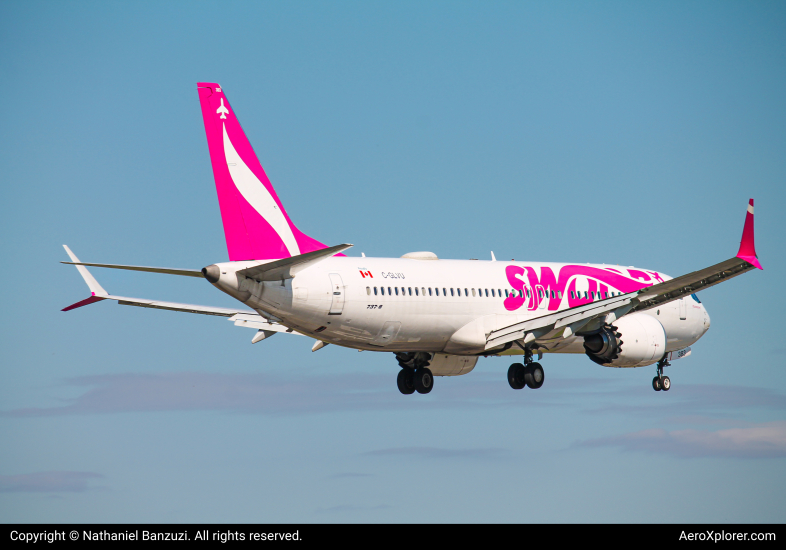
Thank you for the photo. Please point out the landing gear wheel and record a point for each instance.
(516, 376)
(665, 383)
(534, 376)
(424, 380)
(656, 384)
(406, 381)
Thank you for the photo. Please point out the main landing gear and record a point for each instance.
(529, 374)
(415, 375)
(410, 380)
(661, 382)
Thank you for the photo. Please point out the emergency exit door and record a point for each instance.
(337, 294)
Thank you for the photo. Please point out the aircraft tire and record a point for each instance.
(534, 376)
(406, 381)
(665, 383)
(516, 376)
(424, 380)
(656, 384)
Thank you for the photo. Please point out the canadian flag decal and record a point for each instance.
(364, 273)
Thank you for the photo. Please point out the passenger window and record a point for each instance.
(410, 291)
(375, 291)
(423, 291)
(605, 294)
(451, 292)
(559, 294)
(416, 291)
(382, 290)
(572, 296)
(473, 292)
(429, 291)
(526, 290)
(368, 290)
(552, 294)
(521, 293)
(487, 292)
(466, 292)
(396, 291)
(492, 293)
(585, 294)
(389, 293)
(507, 294)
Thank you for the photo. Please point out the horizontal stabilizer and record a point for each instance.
(166, 270)
(174, 306)
(289, 267)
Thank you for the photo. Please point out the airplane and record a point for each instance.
(436, 316)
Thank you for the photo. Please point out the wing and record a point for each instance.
(243, 317)
(592, 316)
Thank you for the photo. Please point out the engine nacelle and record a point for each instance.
(636, 340)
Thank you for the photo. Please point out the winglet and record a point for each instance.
(97, 292)
(747, 250)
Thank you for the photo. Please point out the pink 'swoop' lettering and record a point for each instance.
(538, 288)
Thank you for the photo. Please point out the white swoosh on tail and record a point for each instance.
(258, 196)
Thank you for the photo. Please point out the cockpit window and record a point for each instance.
(695, 298)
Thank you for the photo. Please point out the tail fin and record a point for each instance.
(256, 225)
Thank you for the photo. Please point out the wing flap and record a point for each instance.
(569, 318)
(252, 320)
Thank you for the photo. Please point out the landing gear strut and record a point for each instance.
(661, 382)
(528, 374)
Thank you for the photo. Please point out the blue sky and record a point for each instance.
(625, 133)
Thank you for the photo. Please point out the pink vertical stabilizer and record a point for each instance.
(747, 250)
(256, 226)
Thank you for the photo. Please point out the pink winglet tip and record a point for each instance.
(747, 250)
(85, 302)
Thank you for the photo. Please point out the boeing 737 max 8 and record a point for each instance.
(436, 316)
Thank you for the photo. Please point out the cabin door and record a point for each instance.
(337, 294)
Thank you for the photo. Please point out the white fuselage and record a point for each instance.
(449, 306)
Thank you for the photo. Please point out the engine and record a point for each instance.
(636, 340)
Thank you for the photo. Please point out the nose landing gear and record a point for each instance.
(661, 382)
